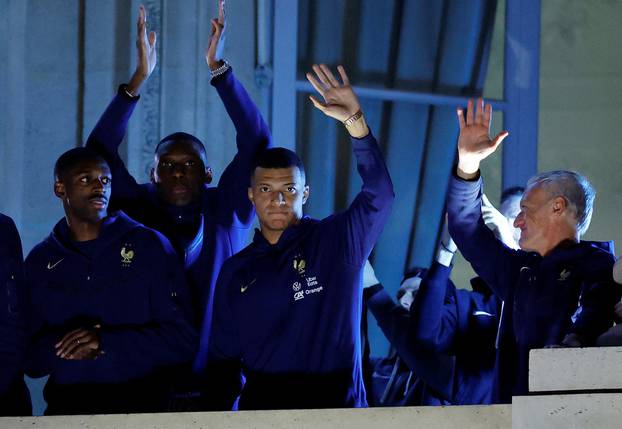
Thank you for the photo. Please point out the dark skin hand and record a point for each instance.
(79, 344)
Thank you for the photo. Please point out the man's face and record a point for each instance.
(278, 195)
(180, 173)
(85, 190)
(535, 219)
(407, 291)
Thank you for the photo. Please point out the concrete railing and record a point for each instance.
(572, 388)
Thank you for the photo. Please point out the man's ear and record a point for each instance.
(209, 175)
(152, 175)
(305, 194)
(59, 190)
(559, 205)
(250, 195)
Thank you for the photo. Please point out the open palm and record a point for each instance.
(340, 101)
(475, 143)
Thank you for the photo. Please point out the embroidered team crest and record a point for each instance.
(300, 265)
(563, 275)
(127, 256)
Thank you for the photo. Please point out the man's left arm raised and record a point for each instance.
(370, 209)
(252, 132)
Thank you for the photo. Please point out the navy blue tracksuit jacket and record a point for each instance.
(289, 314)
(14, 399)
(571, 290)
(130, 282)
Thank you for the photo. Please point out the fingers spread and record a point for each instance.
(318, 104)
(499, 138)
(320, 74)
(329, 75)
(318, 87)
(479, 111)
(221, 12)
(460, 114)
(152, 39)
(344, 76)
(470, 116)
(487, 116)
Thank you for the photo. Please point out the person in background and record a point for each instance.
(447, 336)
(14, 395)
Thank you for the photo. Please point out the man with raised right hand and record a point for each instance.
(557, 289)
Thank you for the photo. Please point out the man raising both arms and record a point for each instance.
(205, 224)
(288, 307)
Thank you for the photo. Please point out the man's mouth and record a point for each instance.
(98, 202)
(180, 190)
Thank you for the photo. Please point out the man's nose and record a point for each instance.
(178, 170)
(520, 219)
(279, 198)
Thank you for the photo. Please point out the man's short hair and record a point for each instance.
(574, 188)
(278, 157)
(72, 158)
(183, 137)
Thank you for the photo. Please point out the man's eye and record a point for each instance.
(106, 180)
(190, 163)
(264, 189)
(84, 179)
(166, 164)
(291, 189)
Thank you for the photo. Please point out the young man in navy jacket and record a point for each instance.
(288, 307)
(108, 305)
(557, 290)
(14, 397)
(205, 224)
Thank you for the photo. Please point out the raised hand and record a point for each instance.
(216, 45)
(474, 143)
(340, 101)
(146, 53)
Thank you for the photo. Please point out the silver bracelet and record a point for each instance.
(220, 70)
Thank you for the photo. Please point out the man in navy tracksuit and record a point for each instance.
(288, 307)
(108, 306)
(205, 224)
(557, 290)
(14, 397)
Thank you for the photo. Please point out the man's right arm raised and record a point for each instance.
(490, 258)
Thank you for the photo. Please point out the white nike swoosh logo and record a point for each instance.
(243, 288)
(51, 266)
